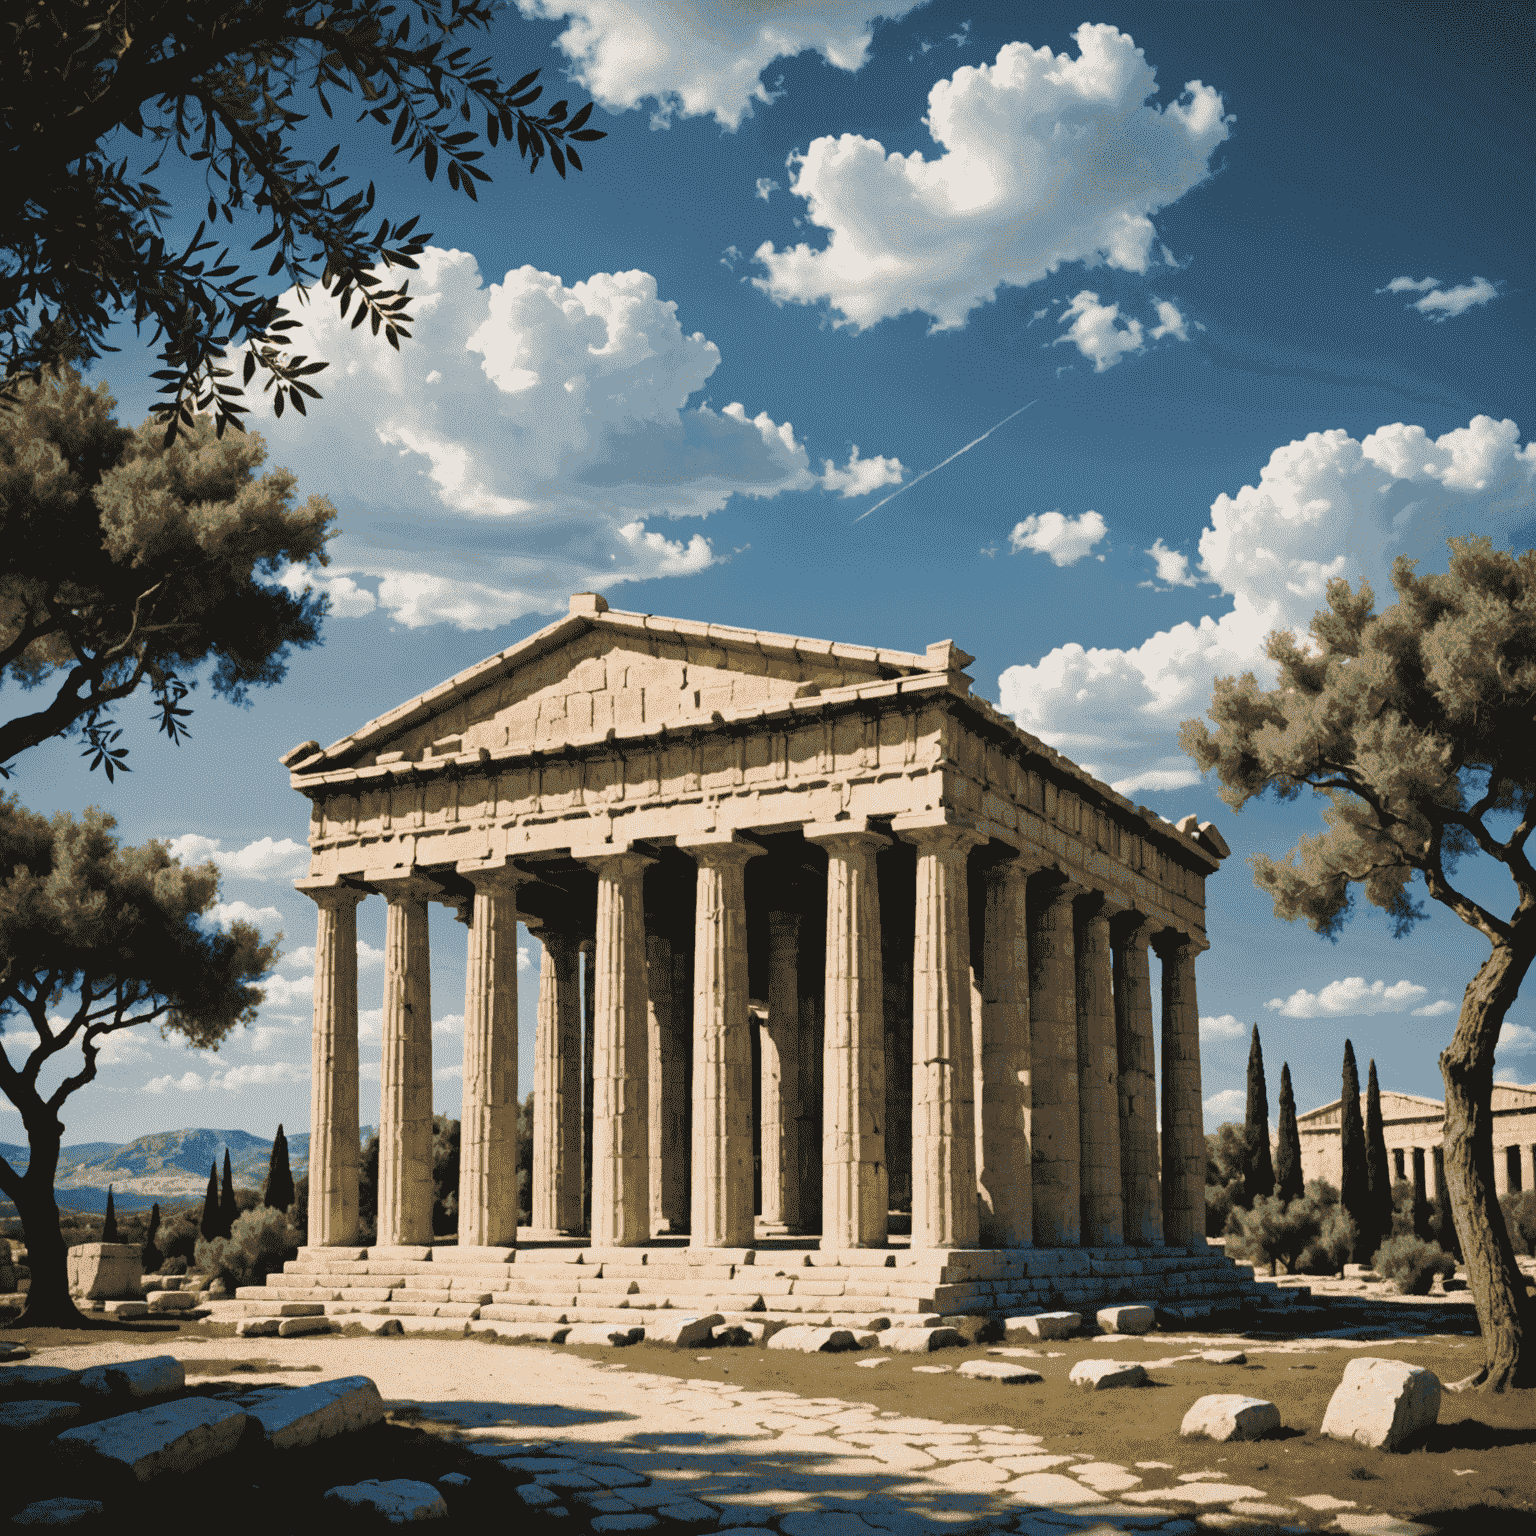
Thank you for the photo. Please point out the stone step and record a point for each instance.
(521, 1314)
(430, 1309)
(281, 1292)
(412, 1294)
(227, 1311)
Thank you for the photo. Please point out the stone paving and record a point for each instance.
(625, 1449)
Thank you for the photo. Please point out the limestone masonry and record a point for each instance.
(853, 942)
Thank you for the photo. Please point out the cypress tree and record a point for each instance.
(209, 1225)
(1354, 1180)
(1258, 1170)
(1378, 1169)
(151, 1258)
(1289, 1184)
(109, 1226)
(227, 1208)
(279, 1189)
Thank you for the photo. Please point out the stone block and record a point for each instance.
(22, 1381)
(1000, 1370)
(406, 1255)
(105, 1271)
(613, 1334)
(523, 1333)
(40, 1416)
(171, 1301)
(169, 1440)
(536, 1496)
(125, 1311)
(257, 1327)
(1223, 1357)
(1382, 1403)
(1046, 1325)
(380, 1327)
(918, 1341)
(401, 1501)
(454, 1327)
(299, 1418)
(158, 1376)
(57, 1512)
(976, 1330)
(1096, 1375)
(292, 1327)
(1131, 1320)
(812, 1341)
(1230, 1416)
(469, 1255)
(758, 1330)
(683, 1331)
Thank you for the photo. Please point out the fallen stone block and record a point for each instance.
(57, 1512)
(171, 1439)
(750, 1331)
(1224, 1357)
(451, 1327)
(125, 1311)
(1382, 1404)
(329, 1408)
(1000, 1370)
(1132, 1320)
(976, 1330)
(524, 1333)
(40, 1416)
(918, 1341)
(171, 1301)
(536, 1496)
(157, 1376)
(1096, 1375)
(812, 1341)
(21, 1381)
(380, 1327)
(634, 1521)
(257, 1327)
(292, 1327)
(683, 1331)
(1046, 1325)
(399, 1502)
(612, 1334)
(1230, 1416)
(99, 1271)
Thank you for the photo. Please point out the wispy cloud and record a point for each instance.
(1349, 998)
(1222, 1026)
(1439, 302)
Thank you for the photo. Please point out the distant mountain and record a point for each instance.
(69, 1157)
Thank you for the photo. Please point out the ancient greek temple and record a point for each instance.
(861, 955)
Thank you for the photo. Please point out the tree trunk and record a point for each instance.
(49, 1304)
(1466, 1065)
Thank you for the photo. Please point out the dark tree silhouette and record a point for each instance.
(228, 1210)
(1258, 1170)
(151, 1258)
(278, 1191)
(1378, 1169)
(109, 1225)
(1289, 1184)
(209, 1225)
(1354, 1174)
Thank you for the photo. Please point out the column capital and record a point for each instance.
(410, 885)
(934, 833)
(1170, 941)
(493, 877)
(329, 893)
(855, 830)
(618, 861)
(719, 847)
(1131, 927)
(1058, 886)
(1096, 903)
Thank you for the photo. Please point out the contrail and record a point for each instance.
(950, 460)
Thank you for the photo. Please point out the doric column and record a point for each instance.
(853, 1177)
(588, 1002)
(1006, 1108)
(556, 1193)
(1098, 1094)
(1420, 1183)
(721, 1214)
(405, 1077)
(945, 1207)
(1057, 1146)
(1501, 1171)
(488, 1117)
(780, 1122)
(1437, 1169)
(1140, 1187)
(665, 1097)
(621, 1160)
(333, 1102)
(1183, 1114)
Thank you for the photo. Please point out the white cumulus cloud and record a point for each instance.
(1044, 159)
(1409, 285)
(1349, 998)
(1441, 303)
(265, 859)
(766, 187)
(1065, 539)
(703, 58)
(1435, 1010)
(1223, 1026)
(284, 992)
(1172, 565)
(1094, 333)
(223, 913)
(1516, 1040)
(1328, 505)
(256, 1074)
(862, 475)
(1229, 1104)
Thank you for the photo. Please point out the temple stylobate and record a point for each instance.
(854, 946)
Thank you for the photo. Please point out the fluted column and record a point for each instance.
(780, 1124)
(1006, 1108)
(488, 1116)
(556, 1193)
(666, 1103)
(854, 1188)
(945, 1206)
(1140, 1187)
(721, 1214)
(1183, 1114)
(588, 1047)
(1098, 1093)
(405, 1077)
(621, 1160)
(1056, 1149)
(333, 1097)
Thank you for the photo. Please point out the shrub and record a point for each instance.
(259, 1243)
(1412, 1263)
(1330, 1250)
(178, 1237)
(1276, 1231)
(176, 1266)
(1520, 1217)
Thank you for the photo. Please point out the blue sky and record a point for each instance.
(1261, 275)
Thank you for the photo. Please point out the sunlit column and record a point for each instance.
(1140, 1186)
(1006, 1108)
(556, 1193)
(1183, 1114)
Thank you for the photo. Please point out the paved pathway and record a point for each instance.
(616, 1442)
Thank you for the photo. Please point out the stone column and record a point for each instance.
(488, 1118)
(405, 1078)
(1057, 1147)
(588, 1002)
(1437, 1166)
(1420, 1187)
(621, 1199)
(1007, 1108)
(1140, 1187)
(1501, 1171)
(721, 1214)
(556, 1202)
(780, 1126)
(1098, 1094)
(945, 1206)
(1183, 1113)
(854, 1188)
(665, 1096)
(333, 1100)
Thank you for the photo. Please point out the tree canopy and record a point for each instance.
(223, 83)
(125, 562)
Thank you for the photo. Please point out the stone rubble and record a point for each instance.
(1382, 1404)
(1230, 1416)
